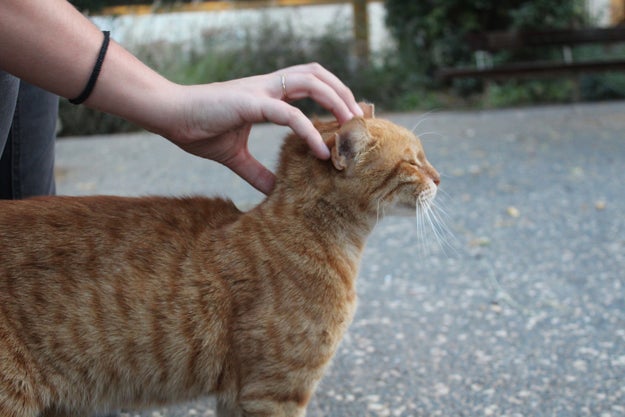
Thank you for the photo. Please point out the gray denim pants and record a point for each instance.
(28, 118)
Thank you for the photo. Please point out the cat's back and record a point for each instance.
(186, 215)
(90, 236)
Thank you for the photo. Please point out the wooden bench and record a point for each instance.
(484, 44)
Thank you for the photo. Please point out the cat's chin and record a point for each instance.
(401, 210)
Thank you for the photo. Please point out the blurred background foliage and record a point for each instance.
(431, 34)
(428, 34)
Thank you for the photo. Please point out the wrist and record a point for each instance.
(93, 78)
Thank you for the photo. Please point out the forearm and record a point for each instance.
(128, 88)
(50, 44)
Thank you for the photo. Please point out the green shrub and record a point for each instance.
(526, 92)
(601, 86)
(432, 34)
(605, 86)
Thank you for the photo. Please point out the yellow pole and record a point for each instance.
(617, 11)
(361, 32)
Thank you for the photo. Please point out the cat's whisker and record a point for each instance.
(377, 212)
(423, 118)
(435, 133)
(433, 221)
(419, 220)
(441, 211)
(427, 228)
(442, 193)
(420, 230)
(428, 211)
(449, 239)
(426, 223)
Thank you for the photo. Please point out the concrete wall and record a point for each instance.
(231, 25)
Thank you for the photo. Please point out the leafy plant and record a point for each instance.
(432, 33)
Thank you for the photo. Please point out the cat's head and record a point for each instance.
(374, 163)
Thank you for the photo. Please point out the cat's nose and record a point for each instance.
(434, 175)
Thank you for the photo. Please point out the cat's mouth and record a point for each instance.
(423, 201)
(426, 197)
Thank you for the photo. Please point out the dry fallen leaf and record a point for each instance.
(479, 241)
(513, 211)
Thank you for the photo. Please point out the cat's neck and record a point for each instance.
(320, 208)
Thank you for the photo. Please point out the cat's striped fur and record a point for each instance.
(109, 302)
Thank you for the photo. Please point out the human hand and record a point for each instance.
(214, 120)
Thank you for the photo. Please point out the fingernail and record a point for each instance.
(324, 152)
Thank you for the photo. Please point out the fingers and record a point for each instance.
(309, 81)
(314, 81)
(252, 171)
(281, 113)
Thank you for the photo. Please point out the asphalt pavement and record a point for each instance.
(518, 312)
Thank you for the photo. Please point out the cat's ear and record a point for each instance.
(349, 142)
(368, 109)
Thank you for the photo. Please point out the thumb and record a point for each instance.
(252, 171)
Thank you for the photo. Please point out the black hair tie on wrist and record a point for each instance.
(96, 71)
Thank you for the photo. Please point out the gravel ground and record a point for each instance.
(519, 311)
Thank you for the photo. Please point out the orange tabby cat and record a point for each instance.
(109, 302)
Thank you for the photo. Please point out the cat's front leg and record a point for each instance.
(228, 410)
(261, 408)
(63, 412)
(17, 393)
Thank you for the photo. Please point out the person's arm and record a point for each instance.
(52, 45)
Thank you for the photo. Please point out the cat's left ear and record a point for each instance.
(349, 142)
(368, 109)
